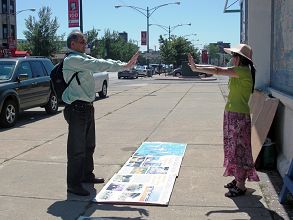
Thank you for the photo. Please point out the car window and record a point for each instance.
(25, 68)
(38, 69)
(48, 66)
(6, 69)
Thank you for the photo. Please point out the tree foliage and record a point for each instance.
(175, 50)
(41, 33)
(113, 46)
(93, 42)
(213, 51)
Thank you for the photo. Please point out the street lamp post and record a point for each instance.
(169, 29)
(187, 35)
(81, 17)
(147, 13)
(14, 38)
(29, 9)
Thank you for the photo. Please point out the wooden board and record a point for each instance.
(262, 109)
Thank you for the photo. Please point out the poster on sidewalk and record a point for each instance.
(147, 177)
(152, 165)
(160, 149)
(137, 189)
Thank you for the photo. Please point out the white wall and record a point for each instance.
(259, 38)
(283, 127)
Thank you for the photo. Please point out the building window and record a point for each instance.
(11, 8)
(5, 31)
(4, 6)
(12, 31)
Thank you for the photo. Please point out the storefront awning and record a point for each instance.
(21, 53)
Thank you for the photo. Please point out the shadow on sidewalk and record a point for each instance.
(251, 205)
(116, 208)
(76, 206)
(69, 209)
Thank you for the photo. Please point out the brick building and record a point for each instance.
(7, 27)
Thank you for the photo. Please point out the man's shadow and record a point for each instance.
(75, 206)
(251, 205)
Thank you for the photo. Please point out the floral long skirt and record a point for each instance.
(238, 159)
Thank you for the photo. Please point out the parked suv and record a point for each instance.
(25, 83)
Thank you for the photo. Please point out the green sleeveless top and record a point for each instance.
(240, 90)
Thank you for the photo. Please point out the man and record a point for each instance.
(79, 111)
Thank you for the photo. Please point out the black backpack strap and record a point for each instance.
(72, 77)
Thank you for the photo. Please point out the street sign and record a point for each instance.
(143, 38)
(73, 13)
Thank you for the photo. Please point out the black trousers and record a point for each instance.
(81, 142)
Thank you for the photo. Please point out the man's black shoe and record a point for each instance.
(94, 180)
(78, 190)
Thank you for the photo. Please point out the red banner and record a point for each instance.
(73, 13)
(143, 37)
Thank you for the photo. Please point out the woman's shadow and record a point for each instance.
(252, 206)
(75, 206)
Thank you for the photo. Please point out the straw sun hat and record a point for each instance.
(242, 49)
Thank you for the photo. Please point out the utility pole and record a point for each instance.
(81, 19)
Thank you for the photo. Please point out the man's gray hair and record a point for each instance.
(73, 36)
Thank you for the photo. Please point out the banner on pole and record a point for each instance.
(73, 13)
(143, 38)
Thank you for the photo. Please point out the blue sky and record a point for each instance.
(206, 17)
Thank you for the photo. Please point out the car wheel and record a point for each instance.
(9, 114)
(103, 93)
(177, 74)
(52, 105)
(119, 77)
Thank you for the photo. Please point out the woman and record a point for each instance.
(238, 159)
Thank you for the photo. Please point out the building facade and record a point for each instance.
(267, 27)
(124, 36)
(7, 27)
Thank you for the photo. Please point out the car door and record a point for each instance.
(41, 83)
(25, 86)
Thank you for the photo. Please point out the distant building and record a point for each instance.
(222, 57)
(221, 45)
(124, 36)
(7, 27)
(204, 57)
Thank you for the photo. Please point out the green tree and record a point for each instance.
(41, 34)
(175, 50)
(112, 46)
(92, 39)
(167, 51)
(25, 46)
(213, 51)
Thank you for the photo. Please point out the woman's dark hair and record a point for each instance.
(245, 62)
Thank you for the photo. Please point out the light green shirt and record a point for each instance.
(240, 90)
(86, 66)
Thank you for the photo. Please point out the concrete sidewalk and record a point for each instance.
(33, 157)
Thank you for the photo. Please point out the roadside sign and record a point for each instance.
(73, 13)
(143, 38)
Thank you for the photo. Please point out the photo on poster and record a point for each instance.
(115, 187)
(122, 178)
(139, 170)
(158, 170)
